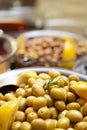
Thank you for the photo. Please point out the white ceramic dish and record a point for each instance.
(11, 76)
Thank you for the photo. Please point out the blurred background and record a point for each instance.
(68, 15)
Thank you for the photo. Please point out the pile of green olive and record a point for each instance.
(47, 103)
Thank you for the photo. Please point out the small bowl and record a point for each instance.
(8, 48)
(46, 63)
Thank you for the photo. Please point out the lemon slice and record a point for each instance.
(69, 53)
(81, 89)
(7, 113)
(21, 42)
(23, 78)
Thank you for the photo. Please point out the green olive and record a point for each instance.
(53, 73)
(65, 79)
(58, 129)
(60, 105)
(28, 92)
(20, 116)
(81, 125)
(44, 76)
(39, 102)
(49, 100)
(16, 125)
(22, 104)
(85, 118)
(72, 106)
(80, 101)
(73, 77)
(1, 96)
(63, 122)
(74, 115)
(2, 102)
(62, 114)
(28, 110)
(20, 92)
(71, 97)
(54, 112)
(44, 113)
(37, 90)
(58, 93)
(31, 116)
(38, 124)
(25, 126)
(70, 129)
(9, 96)
(50, 124)
(84, 109)
(29, 100)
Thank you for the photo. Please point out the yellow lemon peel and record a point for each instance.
(69, 53)
(7, 113)
(23, 78)
(80, 88)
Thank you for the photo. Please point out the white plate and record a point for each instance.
(11, 76)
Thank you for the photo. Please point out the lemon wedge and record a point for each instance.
(21, 42)
(80, 88)
(23, 78)
(69, 53)
(7, 113)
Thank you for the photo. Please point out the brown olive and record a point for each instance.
(74, 115)
(44, 113)
(72, 106)
(31, 116)
(81, 125)
(60, 105)
(20, 116)
(38, 124)
(54, 112)
(25, 126)
(63, 122)
(16, 125)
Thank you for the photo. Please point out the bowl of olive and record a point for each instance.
(44, 99)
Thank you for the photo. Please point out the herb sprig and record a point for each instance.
(52, 82)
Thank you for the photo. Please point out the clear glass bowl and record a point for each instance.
(46, 33)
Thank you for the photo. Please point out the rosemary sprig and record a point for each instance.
(51, 82)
